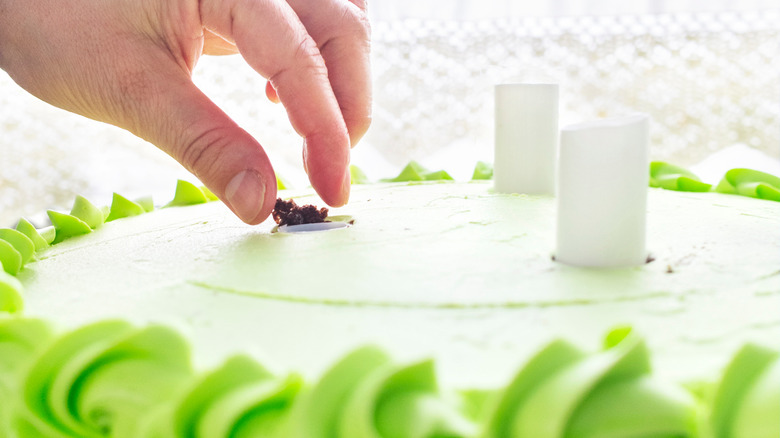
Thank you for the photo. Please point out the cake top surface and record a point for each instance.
(448, 270)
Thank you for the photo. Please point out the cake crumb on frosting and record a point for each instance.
(289, 213)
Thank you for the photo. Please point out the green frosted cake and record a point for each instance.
(435, 310)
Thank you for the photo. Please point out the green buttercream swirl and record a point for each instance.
(10, 294)
(87, 212)
(21, 339)
(564, 392)
(67, 226)
(25, 227)
(366, 395)
(414, 171)
(99, 380)
(114, 379)
(671, 177)
(188, 194)
(752, 183)
(482, 171)
(122, 207)
(357, 176)
(747, 401)
(10, 258)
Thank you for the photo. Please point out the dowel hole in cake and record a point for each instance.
(311, 228)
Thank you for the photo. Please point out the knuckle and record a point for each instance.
(199, 149)
(355, 21)
(308, 57)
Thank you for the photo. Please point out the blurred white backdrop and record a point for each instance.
(707, 71)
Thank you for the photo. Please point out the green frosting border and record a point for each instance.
(111, 378)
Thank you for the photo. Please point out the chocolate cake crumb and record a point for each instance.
(650, 259)
(289, 213)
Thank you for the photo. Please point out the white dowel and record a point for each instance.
(602, 193)
(526, 138)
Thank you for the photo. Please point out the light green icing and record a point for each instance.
(671, 177)
(10, 294)
(87, 212)
(372, 275)
(21, 339)
(187, 194)
(113, 379)
(482, 171)
(147, 203)
(739, 406)
(48, 233)
(317, 415)
(404, 402)
(759, 415)
(357, 176)
(10, 258)
(101, 378)
(592, 393)
(607, 394)
(24, 226)
(752, 183)
(414, 171)
(122, 207)
(209, 194)
(66, 226)
(241, 399)
(20, 242)
(550, 360)
(281, 184)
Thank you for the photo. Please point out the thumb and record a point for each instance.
(231, 163)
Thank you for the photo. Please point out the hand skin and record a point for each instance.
(129, 63)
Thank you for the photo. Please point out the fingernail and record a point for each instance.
(245, 194)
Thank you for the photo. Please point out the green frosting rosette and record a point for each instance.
(67, 226)
(87, 212)
(365, 395)
(747, 402)
(122, 207)
(16, 249)
(752, 183)
(25, 227)
(564, 392)
(99, 380)
(482, 171)
(241, 399)
(357, 176)
(10, 294)
(20, 242)
(671, 177)
(414, 171)
(189, 194)
(21, 340)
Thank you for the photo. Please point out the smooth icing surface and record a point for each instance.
(428, 269)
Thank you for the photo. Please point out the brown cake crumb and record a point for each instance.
(289, 213)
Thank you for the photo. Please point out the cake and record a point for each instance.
(433, 309)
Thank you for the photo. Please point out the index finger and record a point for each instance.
(343, 34)
(275, 43)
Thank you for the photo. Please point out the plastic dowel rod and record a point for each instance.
(526, 138)
(602, 193)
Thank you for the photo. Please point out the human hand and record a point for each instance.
(129, 63)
